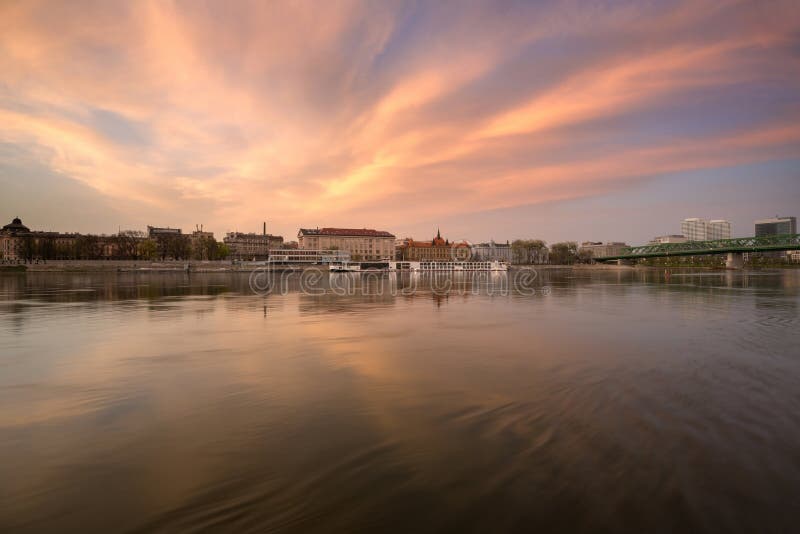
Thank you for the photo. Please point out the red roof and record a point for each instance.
(348, 232)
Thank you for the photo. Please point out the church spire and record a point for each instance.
(438, 233)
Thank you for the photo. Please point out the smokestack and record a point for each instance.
(265, 227)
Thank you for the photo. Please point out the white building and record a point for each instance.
(492, 251)
(695, 229)
(719, 229)
(673, 238)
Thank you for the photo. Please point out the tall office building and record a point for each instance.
(695, 229)
(719, 229)
(776, 226)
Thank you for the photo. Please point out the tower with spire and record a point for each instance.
(438, 241)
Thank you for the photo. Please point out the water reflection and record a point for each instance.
(620, 401)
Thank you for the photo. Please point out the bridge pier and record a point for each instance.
(735, 261)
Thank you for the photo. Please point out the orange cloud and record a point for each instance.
(311, 114)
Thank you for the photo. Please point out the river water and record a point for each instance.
(567, 401)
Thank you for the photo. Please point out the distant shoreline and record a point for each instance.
(210, 266)
(194, 266)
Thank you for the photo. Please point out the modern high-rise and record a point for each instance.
(718, 229)
(695, 229)
(776, 226)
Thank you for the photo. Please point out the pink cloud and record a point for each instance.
(312, 114)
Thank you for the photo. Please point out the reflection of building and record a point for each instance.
(437, 249)
(492, 251)
(673, 238)
(776, 226)
(599, 249)
(251, 246)
(362, 244)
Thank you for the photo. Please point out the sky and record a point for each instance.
(490, 120)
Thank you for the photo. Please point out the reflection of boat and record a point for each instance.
(450, 266)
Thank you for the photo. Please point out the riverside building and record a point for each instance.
(437, 249)
(19, 243)
(252, 246)
(362, 244)
(492, 251)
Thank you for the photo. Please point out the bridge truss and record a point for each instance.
(719, 246)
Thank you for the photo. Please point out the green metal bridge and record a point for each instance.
(737, 245)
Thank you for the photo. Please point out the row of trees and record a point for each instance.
(126, 245)
(527, 251)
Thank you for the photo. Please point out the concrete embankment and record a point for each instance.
(214, 266)
(580, 267)
(132, 266)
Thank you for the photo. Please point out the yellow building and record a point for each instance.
(362, 244)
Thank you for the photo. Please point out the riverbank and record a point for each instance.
(228, 266)
(128, 266)
(214, 266)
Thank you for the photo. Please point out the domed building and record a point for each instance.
(15, 227)
(20, 243)
(11, 240)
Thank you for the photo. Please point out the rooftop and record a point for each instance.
(766, 221)
(16, 226)
(346, 232)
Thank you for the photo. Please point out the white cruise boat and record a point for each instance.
(345, 267)
(449, 266)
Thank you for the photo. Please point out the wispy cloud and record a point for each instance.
(381, 113)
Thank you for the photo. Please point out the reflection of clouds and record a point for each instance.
(210, 411)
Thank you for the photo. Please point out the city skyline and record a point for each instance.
(495, 120)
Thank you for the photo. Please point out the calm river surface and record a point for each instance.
(611, 401)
